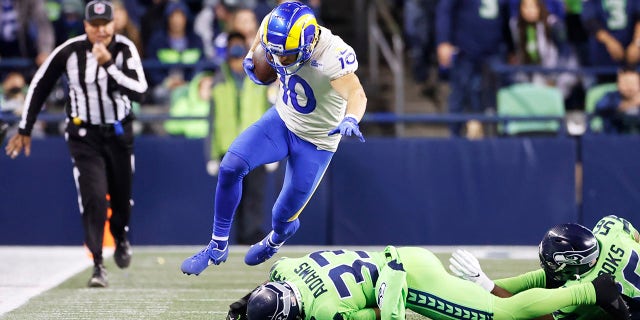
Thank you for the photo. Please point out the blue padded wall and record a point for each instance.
(611, 178)
(436, 192)
(400, 191)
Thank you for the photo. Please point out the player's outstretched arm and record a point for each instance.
(349, 87)
(465, 265)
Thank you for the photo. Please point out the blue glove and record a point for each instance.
(348, 126)
(248, 66)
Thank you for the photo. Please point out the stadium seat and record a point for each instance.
(525, 99)
(594, 94)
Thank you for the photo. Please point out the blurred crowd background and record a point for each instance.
(571, 59)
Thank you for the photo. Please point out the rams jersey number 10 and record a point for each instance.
(306, 102)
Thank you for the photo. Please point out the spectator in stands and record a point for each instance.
(69, 24)
(240, 19)
(614, 34)
(540, 39)
(13, 93)
(124, 25)
(150, 21)
(135, 10)
(12, 96)
(26, 30)
(4, 127)
(554, 7)
(244, 21)
(620, 110)
(469, 37)
(210, 23)
(191, 100)
(175, 43)
(576, 33)
(419, 33)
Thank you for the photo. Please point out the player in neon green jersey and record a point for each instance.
(571, 254)
(344, 284)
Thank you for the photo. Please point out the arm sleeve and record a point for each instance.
(589, 16)
(391, 287)
(46, 38)
(40, 87)
(532, 279)
(131, 80)
(444, 12)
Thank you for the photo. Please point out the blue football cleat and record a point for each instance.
(206, 257)
(261, 251)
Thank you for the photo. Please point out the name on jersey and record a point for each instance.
(612, 261)
(311, 279)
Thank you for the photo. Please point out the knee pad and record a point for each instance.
(232, 169)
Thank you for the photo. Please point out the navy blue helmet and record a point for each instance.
(568, 251)
(275, 301)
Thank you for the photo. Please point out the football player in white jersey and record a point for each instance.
(319, 96)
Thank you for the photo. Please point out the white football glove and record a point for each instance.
(464, 265)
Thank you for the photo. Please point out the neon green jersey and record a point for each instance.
(356, 285)
(334, 282)
(619, 253)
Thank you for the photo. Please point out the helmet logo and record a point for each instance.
(275, 301)
(576, 257)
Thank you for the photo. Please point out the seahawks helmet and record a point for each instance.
(290, 29)
(567, 251)
(275, 301)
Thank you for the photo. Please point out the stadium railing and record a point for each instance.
(397, 118)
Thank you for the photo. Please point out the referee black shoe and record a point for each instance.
(122, 255)
(99, 277)
(608, 297)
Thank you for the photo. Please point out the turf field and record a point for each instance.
(154, 288)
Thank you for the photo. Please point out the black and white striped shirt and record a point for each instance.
(98, 94)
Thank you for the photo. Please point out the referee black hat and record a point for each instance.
(98, 10)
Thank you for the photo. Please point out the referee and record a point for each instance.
(105, 75)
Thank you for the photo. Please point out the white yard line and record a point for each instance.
(26, 271)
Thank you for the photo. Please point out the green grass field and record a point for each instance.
(154, 288)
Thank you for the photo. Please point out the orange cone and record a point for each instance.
(107, 240)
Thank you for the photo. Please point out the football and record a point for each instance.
(263, 70)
